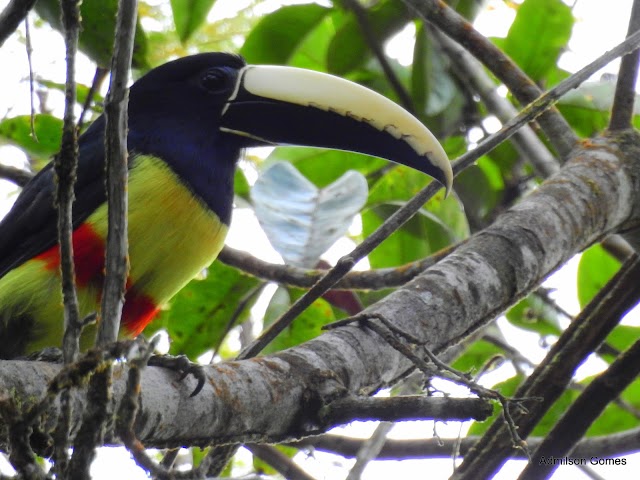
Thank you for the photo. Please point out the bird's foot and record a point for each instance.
(182, 365)
(49, 354)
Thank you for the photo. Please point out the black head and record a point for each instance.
(198, 112)
(174, 114)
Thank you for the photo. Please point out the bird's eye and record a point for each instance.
(214, 80)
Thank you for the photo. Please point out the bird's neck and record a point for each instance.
(204, 164)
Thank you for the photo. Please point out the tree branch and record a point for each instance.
(593, 194)
(403, 214)
(557, 130)
(369, 449)
(405, 407)
(117, 173)
(65, 166)
(614, 445)
(16, 175)
(278, 460)
(525, 141)
(360, 14)
(293, 276)
(625, 96)
(553, 375)
(11, 17)
(588, 406)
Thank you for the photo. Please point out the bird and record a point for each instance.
(189, 120)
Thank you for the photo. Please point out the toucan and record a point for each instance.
(189, 121)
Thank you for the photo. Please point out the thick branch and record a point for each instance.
(614, 445)
(274, 398)
(409, 407)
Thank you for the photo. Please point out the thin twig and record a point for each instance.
(376, 279)
(442, 370)
(65, 166)
(128, 411)
(360, 14)
(29, 47)
(95, 417)
(370, 450)
(233, 318)
(625, 96)
(116, 107)
(98, 79)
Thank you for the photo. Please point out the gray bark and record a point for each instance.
(276, 398)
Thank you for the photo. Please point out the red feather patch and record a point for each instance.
(88, 254)
(138, 312)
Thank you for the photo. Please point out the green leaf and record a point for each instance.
(548, 421)
(476, 356)
(348, 49)
(323, 167)
(17, 131)
(98, 22)
(595, 269)
(189, 15)
(614, 418)
(587, 108)
(306, 326)
(585, 121)
(480, 187)
(535, 315)
(506, 388)
(621, 338)
(538, 36)
(311, 52)
(438, 224)
(198, 315)
(277, 36)
(241, 185)
(432, 87)
(506, 158)
(82, 92)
